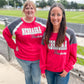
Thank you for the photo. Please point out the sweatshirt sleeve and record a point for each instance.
(8, 37)
(72, 54)
(43, 56)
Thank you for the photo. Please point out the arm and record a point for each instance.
(43, 57)
(8, 37)
(72, 54)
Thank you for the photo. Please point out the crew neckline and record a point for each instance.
(54, 34)
(28, 22)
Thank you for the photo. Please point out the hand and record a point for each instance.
(63, 74)
(43, 75)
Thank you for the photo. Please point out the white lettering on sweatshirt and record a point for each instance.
(30, 31)
(51, 45)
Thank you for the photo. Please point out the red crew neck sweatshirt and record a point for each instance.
(28, 38)
(57, 59)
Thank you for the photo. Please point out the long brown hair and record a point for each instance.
(49, 29)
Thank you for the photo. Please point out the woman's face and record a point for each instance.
(29, 11)
(56, 16)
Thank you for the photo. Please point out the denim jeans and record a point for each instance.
(55, 78)
(31, 71)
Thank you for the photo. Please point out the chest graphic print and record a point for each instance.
(51, 45)
(58, 50)
(30, 31)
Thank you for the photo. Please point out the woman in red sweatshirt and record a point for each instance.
(58, 49)
(28, 31)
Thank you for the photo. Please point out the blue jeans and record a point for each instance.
(31, 71)
(55, 78)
